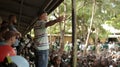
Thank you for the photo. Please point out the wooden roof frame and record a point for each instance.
(26, 11)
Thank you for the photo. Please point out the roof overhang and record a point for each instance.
(26, 11)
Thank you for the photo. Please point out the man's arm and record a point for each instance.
(52, 22)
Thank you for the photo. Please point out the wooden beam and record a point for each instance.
(6, 13)
(14, 7)
(55, 5)
(26, 4)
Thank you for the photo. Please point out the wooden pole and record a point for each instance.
(20, 13)
(74, 48)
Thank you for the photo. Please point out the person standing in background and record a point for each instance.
(12, 21)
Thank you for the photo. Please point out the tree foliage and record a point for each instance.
(105, 10)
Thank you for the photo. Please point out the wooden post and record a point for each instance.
(20, 13)
(74, 48)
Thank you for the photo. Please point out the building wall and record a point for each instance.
(66, 38)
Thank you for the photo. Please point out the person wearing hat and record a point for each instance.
(6, 49)
(41, 38)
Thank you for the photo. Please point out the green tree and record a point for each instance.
(106, 11)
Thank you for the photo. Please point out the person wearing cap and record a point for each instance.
(6, 49)
(41, 38)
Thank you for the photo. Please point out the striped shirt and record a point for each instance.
(41, 37)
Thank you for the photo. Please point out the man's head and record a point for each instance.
(12, 19)
(10, 36)
(43, 16)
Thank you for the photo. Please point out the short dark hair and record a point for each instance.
(8, 34)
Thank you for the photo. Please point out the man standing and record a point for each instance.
(41, 38)
(11, 23)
